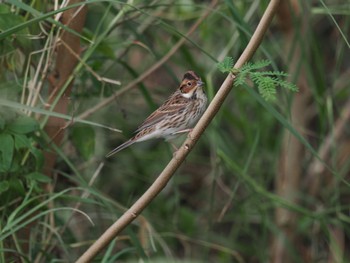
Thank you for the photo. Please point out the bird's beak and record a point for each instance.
(200, 83)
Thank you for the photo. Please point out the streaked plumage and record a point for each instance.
(178, 113)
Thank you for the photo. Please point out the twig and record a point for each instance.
(88, 68)
(187, 146)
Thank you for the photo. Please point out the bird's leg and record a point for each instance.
(183, 131)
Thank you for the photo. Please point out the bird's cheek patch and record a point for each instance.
(185, 89)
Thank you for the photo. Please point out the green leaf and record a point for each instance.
(21, 141)
(83, 138)
(4, 9)
(4, 186)
(36, 176)
(16, 187)
(249, 66)
(226, 65)
(6, 149)
(274, 73)
(288, 85)
(267, 81)
(240, 79)
(39, 156)
(106, 50)
(24, 142)
(267, 89)
(10, 89)
(7, 114)
(9, 20)
(23, 125)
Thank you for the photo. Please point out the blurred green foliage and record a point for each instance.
(220, 206)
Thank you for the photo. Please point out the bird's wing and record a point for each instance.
(170, 107)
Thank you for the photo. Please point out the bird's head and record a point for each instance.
(190, 83)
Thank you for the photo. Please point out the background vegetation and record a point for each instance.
(268, 181)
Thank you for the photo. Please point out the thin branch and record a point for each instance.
(187, 146)
(88, 68)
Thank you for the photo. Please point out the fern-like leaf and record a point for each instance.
(226, 65)
(255, 66)
(240, 79)
(288, 85)
(274, 73)
(266, 87)
(267, 81)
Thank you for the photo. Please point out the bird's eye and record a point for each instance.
(189, 83)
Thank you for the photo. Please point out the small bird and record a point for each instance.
(178, 114)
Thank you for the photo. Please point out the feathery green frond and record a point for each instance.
(266, 81)
(226, 65)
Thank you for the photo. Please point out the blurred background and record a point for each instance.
(267, 182)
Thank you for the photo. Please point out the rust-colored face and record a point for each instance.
(190, 83)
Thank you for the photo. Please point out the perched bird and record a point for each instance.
(178, 114)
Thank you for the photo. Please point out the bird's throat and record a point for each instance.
(190, 94)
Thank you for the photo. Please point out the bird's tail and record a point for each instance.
(120, 147)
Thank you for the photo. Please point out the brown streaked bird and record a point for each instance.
(178, 114)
